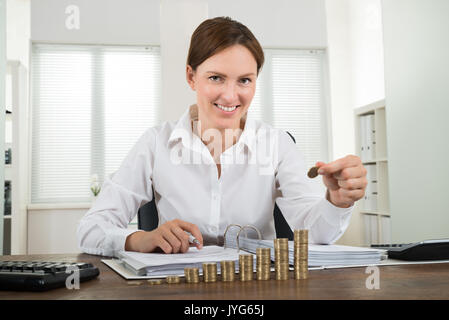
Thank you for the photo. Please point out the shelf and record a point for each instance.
(371, 141)
(370, 108)
(16, 139)
(8, 172)
(374, 161)
(386, 214)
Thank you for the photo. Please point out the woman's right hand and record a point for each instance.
(171, 237)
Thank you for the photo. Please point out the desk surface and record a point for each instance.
(429, 281)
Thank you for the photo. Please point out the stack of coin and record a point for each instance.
(301, 253)
(281, 258)
(173, 279)
(227, 268)
(246, 267)
(154, 281)
(263, 263)
(210, 272)
(192, 275)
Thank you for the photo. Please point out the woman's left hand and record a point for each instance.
(345, 180)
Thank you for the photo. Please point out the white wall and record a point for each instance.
(355, 53)
(18, 30)
(416, 36)
(281, 23)
(179, 18)
(130, 22)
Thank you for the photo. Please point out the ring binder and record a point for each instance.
(238, 234)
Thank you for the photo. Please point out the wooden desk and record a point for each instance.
(429, 281)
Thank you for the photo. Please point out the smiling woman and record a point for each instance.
(216, 167)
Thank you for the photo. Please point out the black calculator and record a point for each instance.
(417, 251)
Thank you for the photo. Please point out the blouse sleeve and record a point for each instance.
(302, 200)
(103, 229)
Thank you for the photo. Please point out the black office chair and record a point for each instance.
(148, 219)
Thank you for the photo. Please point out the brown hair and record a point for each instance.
(215, 35)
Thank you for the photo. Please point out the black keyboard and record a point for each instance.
(42, 276)
(416, 251)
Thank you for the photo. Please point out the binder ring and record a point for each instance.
(224, 235)
(247, 226)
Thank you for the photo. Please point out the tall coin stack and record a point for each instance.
(192, 275)
(246, 267)
(301, 254)
(263, 263)
(210, 272)
(227, 268)
(281, 258)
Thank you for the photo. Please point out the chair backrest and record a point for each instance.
(148, 218)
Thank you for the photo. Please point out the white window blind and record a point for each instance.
(90, 105)
(290, 95)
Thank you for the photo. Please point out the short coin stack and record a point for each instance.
(192, 275)
(281, 258)
(263, 263)
(210, 272)
(301, 253)
(246, 267)
(173, 279)
(227, 268)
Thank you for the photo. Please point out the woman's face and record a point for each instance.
(225, 84)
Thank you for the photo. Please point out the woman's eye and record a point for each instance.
(246, 80)
(214, 78)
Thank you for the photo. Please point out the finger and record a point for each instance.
(352, 195)
(319, 164)
(350, 173)
(193, 229)
(334, 166)
(183, 237)
(174, 242)
(353, 184)
(330, 182)
(164, 245)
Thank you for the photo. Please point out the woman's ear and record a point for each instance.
(190, 76)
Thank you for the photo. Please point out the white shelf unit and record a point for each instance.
(16, 138)
(371, 147)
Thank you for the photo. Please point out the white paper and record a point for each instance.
(155, 264)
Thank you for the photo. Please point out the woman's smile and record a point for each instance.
(227, 110)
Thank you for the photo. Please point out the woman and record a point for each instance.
(215, 167)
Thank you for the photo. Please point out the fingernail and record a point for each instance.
(320, 171)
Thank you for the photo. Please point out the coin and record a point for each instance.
(210, 272)
(246, 267)
(313, 172)
(301, 254)
(227, 268)
(263, 263)
(134, 283)
(192, 275)
(281, 260)
(154, 281)
(173, 279)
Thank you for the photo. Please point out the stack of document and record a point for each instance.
(319, 255)
(161, 264)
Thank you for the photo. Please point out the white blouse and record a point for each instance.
(264, 167)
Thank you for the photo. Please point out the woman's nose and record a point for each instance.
(230, 95)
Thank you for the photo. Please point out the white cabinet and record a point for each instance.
(371, 147)
(16, 172)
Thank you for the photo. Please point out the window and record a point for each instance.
(84, 100)
(290, 95)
